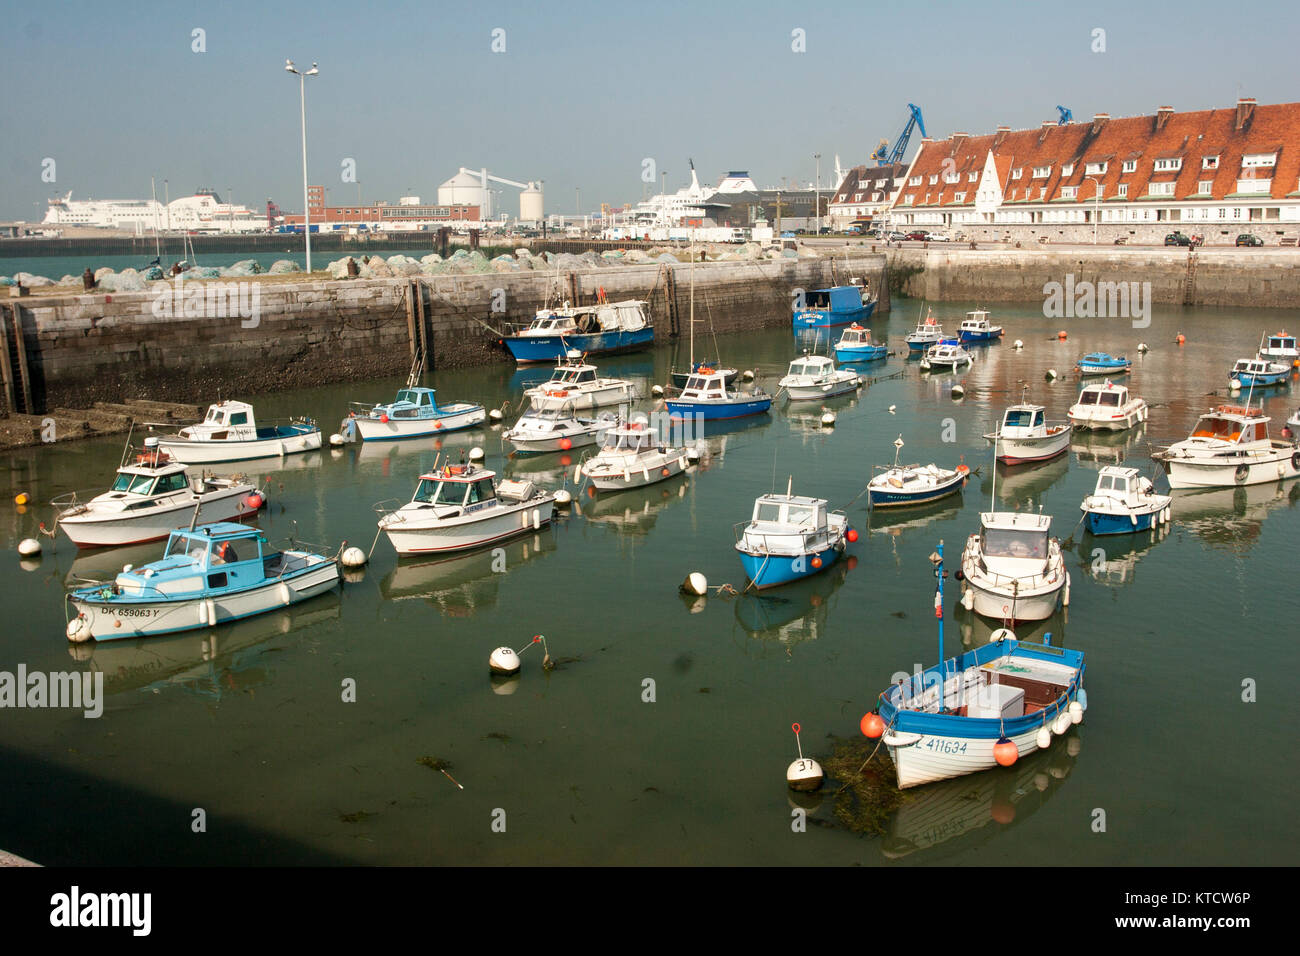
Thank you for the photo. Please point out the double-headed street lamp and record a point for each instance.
(302, 94)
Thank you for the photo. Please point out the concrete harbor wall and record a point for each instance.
(1253, 278)
(83, 349)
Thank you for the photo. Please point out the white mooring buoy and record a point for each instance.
(1235, 384)
(657, 391)
(958, 391)
(1143, 347)
(1051, 375)
(748, 375)
(893, 409)
(477, 454)
(504, 661)
(336, 440)
(804, 774)
(29, 548)
(495, 415)
(563, 498)
(79, 629)
(1017, 345)
(696, 584)
(828, 417)
(353, 557)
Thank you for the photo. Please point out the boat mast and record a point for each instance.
(153, 189)
(692, 303)
(937, 559)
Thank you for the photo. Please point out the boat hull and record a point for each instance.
(1281, 465)
(457, 535)
(531, 349)
(635, 476)
(88, 530)
(118, 620)
(1001, 605)
(1101, 523)
(1125, 419)
(891, 498)
(583, 401)
(769, 571)
(929, 758)
(967, 337)
(872, 354)
(395, 429)
(830, 319)
(717, 411)
(1261, 379)
(1090, 369)
(191, 452)
(536, 446)
(809, 393)
(1023, 451)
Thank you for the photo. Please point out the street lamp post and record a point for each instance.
(817, 191)
(302, 95)
(1096, 208)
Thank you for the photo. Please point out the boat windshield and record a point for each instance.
(626, 441)
(1110, 398)
(133, 484)
(768, 511)
(435, 491)
(415, 398)
(1023, 418)
(1112, 483)
(1088, 398)
(799, 514)
(1014, 543)
(1211, 426)
(182, 545)
(1281, 343)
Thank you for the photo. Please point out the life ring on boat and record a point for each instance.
(561, 393)
(1295, 461)
(1242, 472)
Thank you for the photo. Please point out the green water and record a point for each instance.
(247, 722)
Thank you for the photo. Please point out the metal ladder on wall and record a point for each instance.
(1189, 283)
(14, 372)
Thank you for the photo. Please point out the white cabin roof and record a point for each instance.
(1118, 471)
(1015, 521)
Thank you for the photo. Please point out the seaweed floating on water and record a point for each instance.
(497, 735)
(356, 817)
(866, 797)
(442, 766)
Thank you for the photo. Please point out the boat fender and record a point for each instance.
(1295, 461)
(79, 629)
(1044, 738)
(285, 596)
(1005, 752)
(1242, 473)
(1082, 698)
(1061, 724)
(1076, 712)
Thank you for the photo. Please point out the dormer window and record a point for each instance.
(1069, 192)
(934, 178)
(1095, 169)
(1015, 173)
(1042, 172)
(1067, 169)
(1130, 165)
(972, 177)
(1169, 165)
(1209, 162)
(914, 181)
(1251, 160)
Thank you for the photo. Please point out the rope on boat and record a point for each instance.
(873, 753)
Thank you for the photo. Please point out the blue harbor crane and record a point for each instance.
(884, 156)
(1066, 115)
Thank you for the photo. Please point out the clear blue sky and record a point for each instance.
(584, 92)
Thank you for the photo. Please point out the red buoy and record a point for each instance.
(872, 725)
(816, 562)
(384, 418)
(852, 535)
(1005, 752)
(566, 443)
(437, 426)
(254, 501)
(665, 472)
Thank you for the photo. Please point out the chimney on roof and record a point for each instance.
(1001, 134)
(1048, 124)
(1162, 116)
(1098, 121)
(957, 140)
(1245, 109)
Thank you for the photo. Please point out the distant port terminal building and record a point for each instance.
(1216, 173)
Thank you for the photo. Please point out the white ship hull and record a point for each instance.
(191, 452)
(646, 470)
(921, 758)
(801, 393)
(1000, 603)
(1099, 419)
(375, 429)
(579, 400)
(92, 529)
(1255, 468)
(1015, 451)
(411, 535)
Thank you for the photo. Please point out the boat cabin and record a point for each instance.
(840, 298)
(1023, 421)
(812, 366)
(221, 556)
(855, 335)
(977, 321)
(629, 439)
(144, 480)
(461, 486)
(788, 514)
(1257, 367)
(1120, 483)
(1015, 543)
(1232, 424)
(1281, 344)
(410, 403)
(572, 375)
(551, 323)
(225, 421)
(705, 384)
(1108, 395)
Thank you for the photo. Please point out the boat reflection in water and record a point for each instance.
(894, 521)
(1025, 485)
(976, 631)
(1098, 449)
(461, 584)
(631, 512)
(1112, 561)
(413, 452)
(1231, 519)
(806, 417)
(797, 612)
(962, 809)
(209, 663)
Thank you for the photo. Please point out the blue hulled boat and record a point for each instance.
(1248, 373)
(976, 328)
(602, 329)
(855, 345)
(1124, 502)
(789, 538)
(707, 397)
(1103, 363)
(838, 305)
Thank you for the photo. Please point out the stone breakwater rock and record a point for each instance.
(284, 267)
(102, 272)
(244, 267)
(432, 259)
(128, 280)
(403, 266)
(338, 268)
(32, 281)
(375, 268)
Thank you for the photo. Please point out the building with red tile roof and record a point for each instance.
(864, 193)
(1216, 173)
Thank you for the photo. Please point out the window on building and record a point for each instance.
(1042, 193)
(1204, 187)
(875, 197)
(1209, 162)
(1160, 189)
(1258, 159)
(914, 181)
(1169, 165)
(1015, 173)
(1042, 172)
(959, 197)
(1095, 169)
(1253, 185)
(1121, 190)
(1069, 192)
(972, 177)
(1067, 169)
(1101, 192)
(907, 200)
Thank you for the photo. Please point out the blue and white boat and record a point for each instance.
(1256, 373)
(927, 333)
(1103, 363)
(816, 377)
(602, 329)
(415, 413)
(229, 432)
(790, 537)
(707, 397)
(838, 305)
(946, 353)
(985, 708)
(903, 485)
(1124, 502)
(976, 328)
(1280, 348)
(855, 345)
(208, 575)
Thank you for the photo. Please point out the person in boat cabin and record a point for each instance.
(600, 295)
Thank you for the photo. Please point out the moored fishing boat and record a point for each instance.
(632, 456)
(1107, 407)
(1012, 569)
(600, 329)
(987, 707)
(838, 305)
(1103, 363)
(708, 396)
(977, 328)
(816, 377)
(152, 496)
(1229, 445)
(1256, 373)
(550, 429)
(1123, 502)
(927, 333)
(790, 537)
(1026, 435)
(229, 432)
(208, 575)
(855, 345)
(414, 413)
(946, 353)
(459, 507)
(902, 485)
(1281, 347)
(574, 384)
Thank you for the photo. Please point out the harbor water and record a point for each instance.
(663, 733)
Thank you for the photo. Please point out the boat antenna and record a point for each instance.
(993, 495)
(937, 560)
(898, 447)
(789, 486)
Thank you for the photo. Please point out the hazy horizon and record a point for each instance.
(582, 95)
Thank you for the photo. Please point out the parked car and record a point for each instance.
(896, 237)
(917, 236)
(937, 237)
(1177, 239)
(787, 235)
(1246, 239)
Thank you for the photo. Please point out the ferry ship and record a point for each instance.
(202, 212)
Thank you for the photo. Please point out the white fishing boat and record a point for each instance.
(816, 377)
(152, 496)
(633, 456)
(1026, 435)
(1012, 569)
(790, 537)
(903, 485)
(462, 506)
(1124, 502)
(229, 432)
(575, 385)
(553, 429)
(1107, 407)
(1281, 347)
(946, 353)
(208, 575)
(977, 328)
(1229, 446)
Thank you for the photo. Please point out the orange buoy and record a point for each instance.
(872, 725)
(383, 419)
(437, 426)
(254, 501)
(1005, 752)
(1181, 338)
(852, 535)
(1061, 335)
(816, 562)
(21, 498)
(566, 443)
(665, 472)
